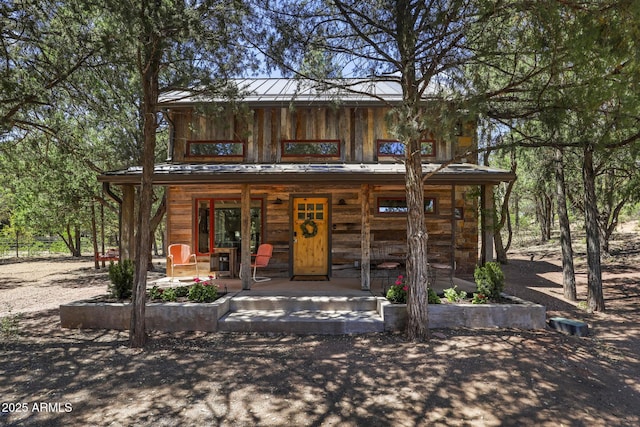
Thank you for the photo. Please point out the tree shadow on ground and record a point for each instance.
(522, 277)
(460, 377)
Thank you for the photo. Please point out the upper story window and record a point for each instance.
(215, 148)
(311, 148)
(398, 205)
(395, 148)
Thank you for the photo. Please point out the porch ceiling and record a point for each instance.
(282, 173)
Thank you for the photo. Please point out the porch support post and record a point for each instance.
(127, 237)
(486, 200)
(245, 236)
(365, 238)
(453, 230)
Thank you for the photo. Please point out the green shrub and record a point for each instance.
(169, 295)
(479, 298)
(121, 276)
(182, 291)
(155, 292)
(489, 280)
(433, 298)
(200, 292)
(452, 295)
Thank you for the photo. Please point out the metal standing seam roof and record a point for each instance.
(286, 91)
(201, 173)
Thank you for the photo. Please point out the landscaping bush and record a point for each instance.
(433, 298)
(479, 298)
(397, 293)
(203, 292)
(182, 291)
(489, 280)
(155, 292)
(452, 295)
(121, 276)
(169, 295)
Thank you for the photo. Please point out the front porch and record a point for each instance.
(282, 306)
(335, 286)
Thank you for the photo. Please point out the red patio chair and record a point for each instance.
(180, 255)
(265, 251)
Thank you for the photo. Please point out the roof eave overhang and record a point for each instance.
(163, 179)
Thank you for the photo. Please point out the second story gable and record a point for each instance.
(278, 121)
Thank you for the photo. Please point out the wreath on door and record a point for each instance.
(306, 233)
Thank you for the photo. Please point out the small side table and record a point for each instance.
(224, 260)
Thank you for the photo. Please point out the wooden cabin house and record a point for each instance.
(317, 174)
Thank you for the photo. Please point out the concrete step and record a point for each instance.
(325, 322)
(301, 303)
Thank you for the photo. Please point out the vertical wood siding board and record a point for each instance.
(271, 134)
(385, 127)
(358, 134)
(238, 120)
(252, 134)
(293, 130)
(320, 121)
(368, 134)
(311, 124)
(343, 133)
(268, 135)
(281, 118)
(182, 136)
(330, 124)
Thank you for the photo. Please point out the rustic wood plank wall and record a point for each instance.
(358, 129)
(386, 230)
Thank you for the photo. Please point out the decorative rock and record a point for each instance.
(568, 326)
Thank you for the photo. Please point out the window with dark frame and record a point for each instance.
(215, 148)
(395, 148)
(398, 205)
(310, 148)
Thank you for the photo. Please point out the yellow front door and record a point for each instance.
(310, 224)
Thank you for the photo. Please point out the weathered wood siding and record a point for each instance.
(346, 222)
(262, 129)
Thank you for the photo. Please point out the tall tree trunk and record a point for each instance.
(568, 272)
(102, 230)
(609, 223)
(417, 256)
(517, 212)
(543, 214)
(501, 250)
(78, 238)
(155, 221)
(94, 234)
(409, 130)
(150, 56)
(595, 298)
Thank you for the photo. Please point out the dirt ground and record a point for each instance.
(54, 376)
